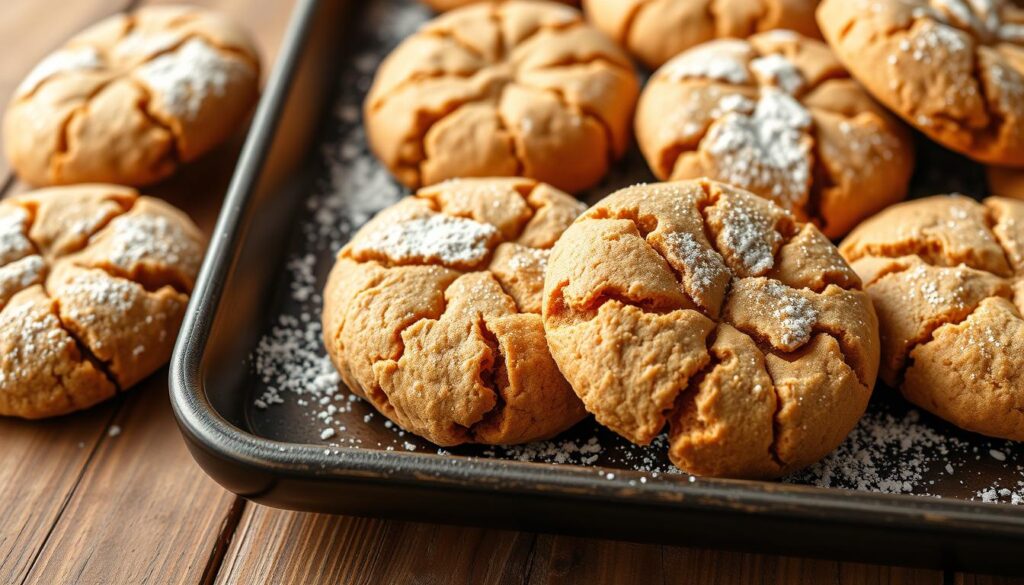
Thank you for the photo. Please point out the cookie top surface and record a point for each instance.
(443, 5)
(94, 280)
(654, 31)
(519, 88)
(954, 69)
(432, 312)
(779, 116)
(945, 276)
(130, 98)
(714, 310)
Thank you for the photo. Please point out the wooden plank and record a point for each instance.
(30, 29)
(970, 579)
(142, 510)
(276, 546)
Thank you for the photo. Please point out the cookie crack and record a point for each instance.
(990, 224)
(518, 147)
(104, 366)
(583, 112)
(494, 377)
(777, 426)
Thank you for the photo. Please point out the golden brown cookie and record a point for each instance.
(778, 116)
(444, 5)
(944, 274)
(132, 97)
(954, 69)
(432, 313)
(654, 31)
(519, 88)
(1006, 182)
(94, 280)
(713, 310)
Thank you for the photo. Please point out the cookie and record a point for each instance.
(131, 98)
(708, 308)
(778, 116)
(1006, 182)
(518, 88)
(444, 5)
(94, 280)
(954, 69)
(432, 313)
(944, 274)
(654, 31)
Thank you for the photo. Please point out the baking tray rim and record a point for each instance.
(202, 425)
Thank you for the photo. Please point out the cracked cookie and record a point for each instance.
(776, 115)
(954, 69)
(1005, 181)
(443, 5)
(519, 88)
(944, 274)
(654, 31)
(131, 98)
(432, 313)
(712, 310)
(94, 280)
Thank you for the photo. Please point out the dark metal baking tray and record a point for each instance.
(305, 181)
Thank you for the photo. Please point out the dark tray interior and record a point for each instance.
(260, 402)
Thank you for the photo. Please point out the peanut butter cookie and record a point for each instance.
(518, 88)
(1006, 182)
(944, 274)
(132, 97)
(444, 5)
(954, 69)
(432, 313)
(654, 31)
(94, 280)
(713, 310)
(778, 116)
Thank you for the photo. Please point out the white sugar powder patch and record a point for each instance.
(34, 340)
(61, 62)
(186, 77)
(137, 238)
(452, 240)
(792, 312)
(140, 45)
(13, 242)
(764, 150)
(703, 266)
(19, 275)
(722, 60)
(749, 236)
(778, 71)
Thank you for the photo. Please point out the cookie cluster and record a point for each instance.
(714, 306)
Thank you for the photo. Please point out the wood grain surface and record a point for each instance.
(112, 496)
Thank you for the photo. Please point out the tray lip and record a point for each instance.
(200, 422)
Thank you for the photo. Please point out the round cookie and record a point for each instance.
(131, 98)
(713, 310)
(1006, 181)
(432, 313)
(954, 69)
(445, 5)
(94, 280)
(778, 116)
(518, 88)
(654, 31)
(945, 276)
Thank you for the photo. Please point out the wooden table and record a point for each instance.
(112, 496)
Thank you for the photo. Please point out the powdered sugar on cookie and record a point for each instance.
(702, 265)
(13, 242)
(747, 236)
(141, 238)
(794, 314)
(185, 78)
(19, 275)
(778, 71)
(450, 240)
(766, 151)
(723, 60)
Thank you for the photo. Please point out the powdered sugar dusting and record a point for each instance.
(136, 238)
(778, 71)
(722, 60)
(185, 78)
(14, 244)
(766, 151)
(60, 62)
(703, 266)
(749, 236)
(141, 45)
(792, 312)
(451, 240)
(19, 275)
